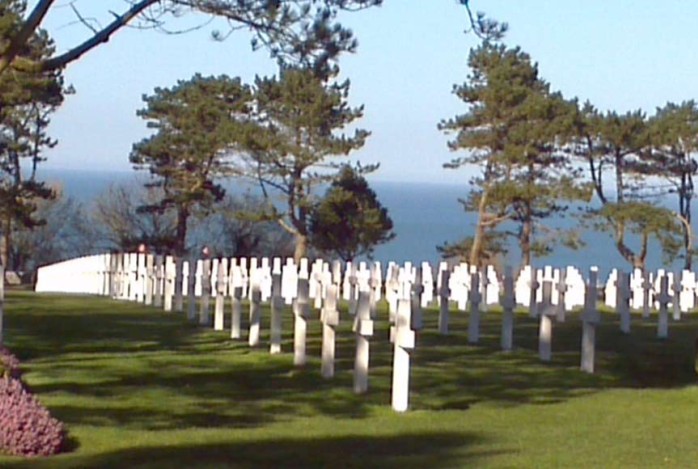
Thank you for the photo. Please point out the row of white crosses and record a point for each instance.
(548, 293)
(642, 290)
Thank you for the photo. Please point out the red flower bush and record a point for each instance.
(26, 427)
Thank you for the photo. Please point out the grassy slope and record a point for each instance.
(142, 388)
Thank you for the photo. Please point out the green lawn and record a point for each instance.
(138, 387)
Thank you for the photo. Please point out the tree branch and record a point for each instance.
(28, 28)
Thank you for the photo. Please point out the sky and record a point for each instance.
(621, 55)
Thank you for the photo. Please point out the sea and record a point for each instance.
(425, 215)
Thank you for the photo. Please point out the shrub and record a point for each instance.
(9, 364)
(26, 427)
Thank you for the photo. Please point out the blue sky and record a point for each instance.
(620, 55)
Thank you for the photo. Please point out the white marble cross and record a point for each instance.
(179, 284)
(590, 318)
(688, 291)
(561, 287)
(236, 294)
(330, 320)
(403, 338)
(375, 284)
(664, 299)
(647, 294)
(546, 311)
(508, 305)
(277, 304)
(416, 298)
(149, 279)
(204, 305)
(159, 281)
(534, 285)
(444, 293)
(168, 283)
(363, 328)
(256, 276)
(611, 289)
(191, 289)
(301, 310)
(289, 282)
(221, 279)
(427, 285)
(623, 301)
(475, 298)
(676, 304)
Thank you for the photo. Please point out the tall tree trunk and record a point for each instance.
(301, 248)
(476, 248)
(525, 242)
(181, 233)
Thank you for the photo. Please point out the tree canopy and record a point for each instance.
(197, 122)
(303, 31)
(350, 220)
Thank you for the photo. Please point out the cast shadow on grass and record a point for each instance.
(403, 451)
(227, 384)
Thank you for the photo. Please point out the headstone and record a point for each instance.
(133, 276)
(236, 295)
(277, 305)
(221, 279)
(191, 288)
(676, 304)
(315, 287)
(159, 281)
(444, 293)
(301, 310)
(204, 305)
(150, 279)
(168, 283)
(508, 305)
(546, 310)
(416, 298)
(475, 298)
(663, 298)
(590, 318)
(623, 301)
(688, 291)
(611, 289)
(363, 328)
(349, 287)
(179, 284)
(427, 285)
(375, 284)
(561, 287)
(141, 279)
(330, 320)
(636, 280)
(403, 339)
(647, 294)
(533, 286)
(255, 305)
(392, 286)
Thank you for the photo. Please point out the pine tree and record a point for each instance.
(350, 220)
(674, 141)
(619, 144)
(514, 129)
(198, 124)
(27, 99)
(300, 117)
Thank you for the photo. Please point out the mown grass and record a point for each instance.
(141, 388)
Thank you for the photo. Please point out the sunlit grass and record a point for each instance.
(138, 387)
